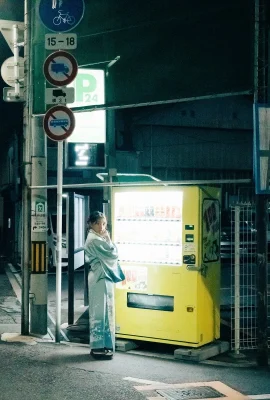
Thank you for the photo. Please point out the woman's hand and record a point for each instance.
(106, 235)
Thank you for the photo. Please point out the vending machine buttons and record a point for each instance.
(189, 227)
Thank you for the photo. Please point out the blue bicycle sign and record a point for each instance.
(64, 18)
(61, 15)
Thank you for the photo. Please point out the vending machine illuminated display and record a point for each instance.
(168, 242)
(155, 223)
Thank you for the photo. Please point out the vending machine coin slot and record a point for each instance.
(189, 259)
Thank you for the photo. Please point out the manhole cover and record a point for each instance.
(191, 392)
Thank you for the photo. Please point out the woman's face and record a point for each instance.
(99, 226)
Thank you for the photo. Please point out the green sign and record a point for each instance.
(89, 88)
(40, 207)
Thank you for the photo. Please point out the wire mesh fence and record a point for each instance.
(243, 279)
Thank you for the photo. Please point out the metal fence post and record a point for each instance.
(237, 280)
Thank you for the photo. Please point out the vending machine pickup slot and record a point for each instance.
(150, 302)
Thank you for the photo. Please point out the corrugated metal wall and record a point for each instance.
(177, 147)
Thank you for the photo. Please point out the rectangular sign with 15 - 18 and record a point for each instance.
(60, 41)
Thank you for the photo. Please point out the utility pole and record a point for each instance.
(39, 276)
(261, 95)
(34, 244)
(26, 181)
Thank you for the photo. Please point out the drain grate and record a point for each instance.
(191, 392)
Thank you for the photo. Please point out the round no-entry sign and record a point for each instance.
(60, 68)
(59, 123)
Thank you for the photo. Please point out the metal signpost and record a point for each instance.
(60, 69)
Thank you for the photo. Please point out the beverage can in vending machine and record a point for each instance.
(142, 211)
(120, 211)
(168, 211)
(157, 211)
(177, 212)
(137, 211)
(148, 211)
(163, 211)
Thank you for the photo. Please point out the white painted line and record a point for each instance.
(62, 333)
(16, 274)
(145, 381)
(51, 334)
(14, 283)
(260, 396)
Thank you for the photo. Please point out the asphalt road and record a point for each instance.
(60, 371)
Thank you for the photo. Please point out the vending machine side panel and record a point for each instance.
(209, 276)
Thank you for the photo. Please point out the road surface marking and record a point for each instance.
(145, 381)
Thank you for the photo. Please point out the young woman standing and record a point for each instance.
(102, 255)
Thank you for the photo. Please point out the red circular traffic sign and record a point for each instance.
(60, 68)
(59, 123)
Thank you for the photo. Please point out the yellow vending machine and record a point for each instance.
(168, 240)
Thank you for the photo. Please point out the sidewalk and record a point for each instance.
(10, 307)
(10, 322)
